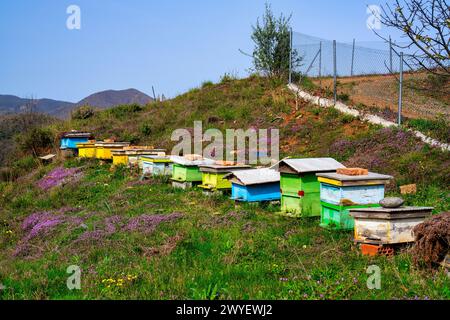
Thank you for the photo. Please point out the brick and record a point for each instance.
(353, 171)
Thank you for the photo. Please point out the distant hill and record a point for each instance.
(10, 104)
(111, 98)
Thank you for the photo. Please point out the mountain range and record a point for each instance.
(10, 104)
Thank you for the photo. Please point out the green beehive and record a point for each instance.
(186, 172)
(338, 217)
(300, 189)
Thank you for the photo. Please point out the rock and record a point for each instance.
(393, 202)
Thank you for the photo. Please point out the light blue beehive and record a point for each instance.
(255, 185)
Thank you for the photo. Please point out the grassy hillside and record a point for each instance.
(146, 240)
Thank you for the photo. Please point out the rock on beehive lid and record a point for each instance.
(225, 163)
(353, 171)
(193, 157)
(392, 202)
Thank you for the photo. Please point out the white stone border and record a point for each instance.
(374, 119)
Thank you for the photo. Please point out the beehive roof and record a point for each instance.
(77, 134)
(343, 177)
(185, 162)
(255, 176)
(310, 165)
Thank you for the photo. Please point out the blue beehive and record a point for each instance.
(340, 193)
(255, 185)
(69, 140)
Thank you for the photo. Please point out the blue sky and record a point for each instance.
(173, 45)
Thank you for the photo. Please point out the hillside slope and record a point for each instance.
(146, 240)
(305, 130)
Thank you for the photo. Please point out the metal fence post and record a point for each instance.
(334, 72)
(390, 55)
(290, 56)
(320, 59)
(353, 58)
(400, 91)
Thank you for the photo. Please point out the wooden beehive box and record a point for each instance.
(213, 176)
(340, 193)
(136, 154)
(300, 189)
(69, 140)
(104, 149)
(156, 165)
(383, 226)
(255, 185)
(185, 170)
(86, 149)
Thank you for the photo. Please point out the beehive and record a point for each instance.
(156, 165)
(255, 185)
(300, 189)
(104, 149)
(213, 176)
(86, 150)
(135, 154)
(340, 193)
(130, 156)
(119, 157)
(382, 226)
(185, 170)
(69, 140)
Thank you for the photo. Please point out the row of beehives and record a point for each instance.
(83, 146)
(306, 188)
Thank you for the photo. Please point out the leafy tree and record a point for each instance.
(272, 45)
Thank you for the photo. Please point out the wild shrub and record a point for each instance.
(83, 112)
(125, 110)
(36, 140)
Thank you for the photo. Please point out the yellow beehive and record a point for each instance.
(104, 149)
(86, 150)
(119, 157)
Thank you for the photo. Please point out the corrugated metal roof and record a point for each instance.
(222, 169)
(77, 134)
(393, 210)
(343, 177)
(256, 176)
(313, 164)
(183, 161)
(155, 157)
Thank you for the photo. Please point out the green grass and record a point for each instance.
(218, 250)
(438, 128)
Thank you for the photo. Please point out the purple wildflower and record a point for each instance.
(40, 224)
(148, 223)
(57, 177)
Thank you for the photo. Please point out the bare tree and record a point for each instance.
(426, 25)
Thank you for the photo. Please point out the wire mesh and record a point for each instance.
(367, 76)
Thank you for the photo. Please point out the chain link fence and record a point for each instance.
(368, 76)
